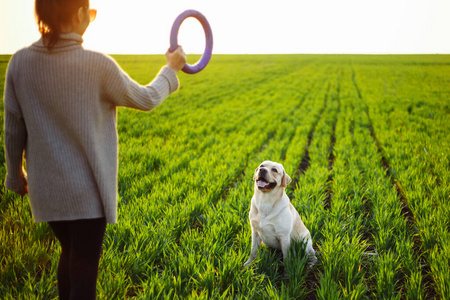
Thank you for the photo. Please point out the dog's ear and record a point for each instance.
(285, 180)
(255, 176)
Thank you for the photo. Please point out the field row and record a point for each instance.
(412, 126)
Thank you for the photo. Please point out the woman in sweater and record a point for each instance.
(60, 110)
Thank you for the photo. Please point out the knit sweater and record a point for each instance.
(60, 110)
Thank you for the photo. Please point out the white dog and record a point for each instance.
(273, 219)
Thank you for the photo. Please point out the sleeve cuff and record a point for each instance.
(16, 185)
(171, 76)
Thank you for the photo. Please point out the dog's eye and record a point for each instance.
(274, 170)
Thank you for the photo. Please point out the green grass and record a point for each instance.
(364, 138)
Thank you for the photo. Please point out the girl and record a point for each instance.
(60, 110)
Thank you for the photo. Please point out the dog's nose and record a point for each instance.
(262, 171)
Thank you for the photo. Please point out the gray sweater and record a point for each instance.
(60, 110)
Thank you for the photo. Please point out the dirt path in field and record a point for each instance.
(305, 163)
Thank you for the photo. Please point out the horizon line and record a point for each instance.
(306, 53)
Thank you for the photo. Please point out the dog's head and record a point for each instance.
(270, 175)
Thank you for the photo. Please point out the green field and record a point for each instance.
(365, 139)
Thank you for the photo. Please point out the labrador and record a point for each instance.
(273, 219)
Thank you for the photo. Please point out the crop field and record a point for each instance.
(364, 138)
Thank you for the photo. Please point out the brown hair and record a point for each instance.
(51, 14)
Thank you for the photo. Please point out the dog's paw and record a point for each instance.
(312, 261)
(248, 262)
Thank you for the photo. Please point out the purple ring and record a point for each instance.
(201, 64)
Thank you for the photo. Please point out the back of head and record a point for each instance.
(51, 15)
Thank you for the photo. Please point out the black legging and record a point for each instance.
(81, 246)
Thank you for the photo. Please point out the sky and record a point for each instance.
(251, 26)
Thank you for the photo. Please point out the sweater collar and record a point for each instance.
(66, 42)
(72, 36)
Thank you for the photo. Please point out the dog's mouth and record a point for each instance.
(263, 184)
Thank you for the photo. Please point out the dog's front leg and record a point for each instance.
(311, 253)
(256, 241)
(285, 242)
